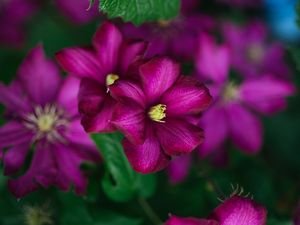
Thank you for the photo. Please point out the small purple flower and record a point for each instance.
(297, 215)
(99, 67)
(13, 15)
(179, 168)
(42, 114)
(175, 38)
(233, 211)
(243, 3)
(252, 53)
(158, 114)
(78, 11)
(232, 114)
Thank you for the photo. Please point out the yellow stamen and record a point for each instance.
(157, 113)
(230, 92)
(111, 78)
(45, 122)
(255, 53)
(164, 23)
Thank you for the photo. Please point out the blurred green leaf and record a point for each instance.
(105, 217)
(121, 182)
(278, 222)
(139, 11)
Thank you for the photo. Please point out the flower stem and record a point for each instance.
(149, 211)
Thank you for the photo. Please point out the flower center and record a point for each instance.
(230, 92)
(157, 113)
(164, 23)
(255, 53)
(111, 78)
(45, 121)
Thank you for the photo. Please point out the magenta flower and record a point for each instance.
(175, 38)
(43, 115)
(234, 211)
(78, 11)
(99, 67)
(13, 14)
(243, 3)
(179, 168)
(297, 215)
(233, 113)
(158, 116)
(252, 53)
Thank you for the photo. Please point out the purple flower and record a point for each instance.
(234, 211)
(42, 115)
(252, 53)
(158, 114)
(13, 14)
(179, 167)
(233, 114)
(175, 38)
(297, 215)
(243, 3)
(99, 67)
(77, 11)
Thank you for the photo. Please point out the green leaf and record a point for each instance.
(121, 183)
(105, 217)
(139, 11)
(278, 222)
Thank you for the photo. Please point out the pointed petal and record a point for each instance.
(240, 211)
(157, 76)
(107, 41)
(39, 76)
(187, 96)
(266, 94)
(174, 220)
(246, 129)
(81, 62)
(179, 168)
(178, 137)
(148, 157)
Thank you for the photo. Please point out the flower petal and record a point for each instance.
(107, 41)
(187, 96)
(240, 211)
(81, 62)
(130, 120)
(174, 220)
(245, 129)
(179, 168)
(266, 94)
(148, 157)
(157, 76)
(39, 76)
(178, 137)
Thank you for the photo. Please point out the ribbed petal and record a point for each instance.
(148, 157)
(69, 172)
(178, 137)
(212, 61)
(39, 76)
(124, 91)
(67, 97)
(14, 133)
(102, 121)
(130, 120)
(107, 41)
(174, 220)
(81, 62)
(187, 96)
(240, 211)
(157, 76)
(14, 158)
(246, 129)
(267, 94)
(91, 97)
(179, 168)
(215, 125)
(42, 172)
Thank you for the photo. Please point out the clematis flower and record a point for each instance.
(297, 215)
(13, 14)
(175, 38)
(78, 11)
(252, 53)
(178, 169)
(234, 211)
(158, 114)
(233, 115)
(43, 117)
(98, 68)
(243, 3)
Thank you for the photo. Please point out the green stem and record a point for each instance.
(149, 211)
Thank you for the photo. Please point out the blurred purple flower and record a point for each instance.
(243, 3)
(176, 37)
(13, 15)
(43, 115)
(179, 168)
(233, 211)
(99, 67)
(158, 116)
(78, 11)
(252, 53)
(232, 114)
(297, 215)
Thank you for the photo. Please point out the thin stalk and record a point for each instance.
(149, 211)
